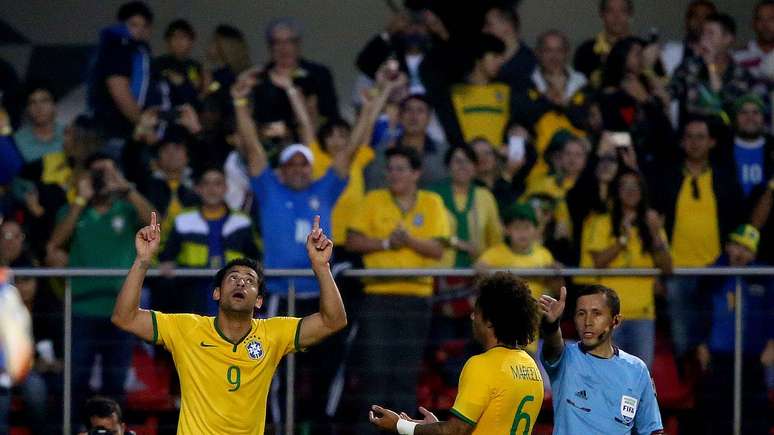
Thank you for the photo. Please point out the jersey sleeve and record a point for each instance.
(554, 368)
(473, 394)
(284, 334)
(168, 328)
(648, 417)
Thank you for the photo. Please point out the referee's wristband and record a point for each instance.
(405, 427)
(548, 328)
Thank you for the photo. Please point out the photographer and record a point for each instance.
(99, 227)
(104, 417)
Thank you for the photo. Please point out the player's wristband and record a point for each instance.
(386, 245)
(405, 427)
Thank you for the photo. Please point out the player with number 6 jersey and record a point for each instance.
(500, 390)
(226, 363)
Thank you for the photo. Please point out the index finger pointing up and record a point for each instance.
(316, 222)
(153, 220)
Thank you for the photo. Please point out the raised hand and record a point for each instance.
(147, 240)
(552, 309)
(429, 417)
(318, 246)
(383, 418)
(245, 82)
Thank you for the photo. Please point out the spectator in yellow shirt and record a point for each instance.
(630, 236)
(398, 227)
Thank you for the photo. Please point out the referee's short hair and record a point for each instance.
(611, 297)
(247, 262)
(507, 303)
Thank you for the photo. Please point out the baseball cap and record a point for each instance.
(748, 98)
(747, 236)
(294, 149)
(520, 212)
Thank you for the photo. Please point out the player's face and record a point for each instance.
(593, 320)
(479, 325)
(238, 292)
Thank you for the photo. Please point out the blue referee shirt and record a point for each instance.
(286, 219)
(593, 395)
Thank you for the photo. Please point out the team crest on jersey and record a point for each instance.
(314, 203)
(254, 349)
(419, 219)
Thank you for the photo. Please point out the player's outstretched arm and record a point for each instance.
(332, 317)
(551, 310)
(388, 420)
(127, 314)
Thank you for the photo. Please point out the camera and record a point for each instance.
(99, 430)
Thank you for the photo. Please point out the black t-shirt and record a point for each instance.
(118, 55)
(184, 78)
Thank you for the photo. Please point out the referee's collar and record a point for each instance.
(584, 350)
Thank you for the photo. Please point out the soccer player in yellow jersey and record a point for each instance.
(501, 390)
(226, 362)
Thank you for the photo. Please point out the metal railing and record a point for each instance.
(296, 273)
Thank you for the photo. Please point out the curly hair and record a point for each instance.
(506, 301)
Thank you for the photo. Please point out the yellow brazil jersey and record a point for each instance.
(502, 257)
(695, 235)
(353, 194)
(500, 392)
(636, 293)
(482, 110)
(224, 385)
(379, 216)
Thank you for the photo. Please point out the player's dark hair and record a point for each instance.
(611, 297)
(409, 153)
(629, 6)
(228, 31)
(506, 302)
(465, 148)
(246, 262)
(180, 25)
(711, 122)
(726, 22)
(418, 97)
(102, 407)
(128, 10)
(39, 86)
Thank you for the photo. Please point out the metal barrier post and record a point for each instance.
(68, 363)
(738, 347)
(290, 374)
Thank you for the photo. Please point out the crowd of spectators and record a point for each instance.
(468, 149)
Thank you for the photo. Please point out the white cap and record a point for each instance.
(292, 150)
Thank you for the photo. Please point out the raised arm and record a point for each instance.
(127, 314)
(332, 317)
(551, 310)
(298, 104)
(255, 154)
(64, 229)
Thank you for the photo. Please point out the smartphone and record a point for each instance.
(516, 148)
(621, 139)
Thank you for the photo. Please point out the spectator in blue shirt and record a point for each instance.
(120, 80)
(716, 354)
(753, 151)
(597, 388)
(287, 201)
